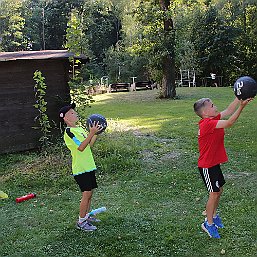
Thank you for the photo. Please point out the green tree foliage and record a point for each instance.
(154, 37)
(46, 22)
(56, 14)
(11, 26)
(247, 42)
(33, 29)
(213, 41)
(125, 38)
(75, 36)
(102, 29)
(77, 43)
(121, 65)
(185, 14)
(224, 39)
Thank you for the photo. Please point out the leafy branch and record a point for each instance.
(41, 106)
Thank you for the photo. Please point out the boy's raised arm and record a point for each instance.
(233, 118)
(93, 140)
(93, 130)
(230, 109)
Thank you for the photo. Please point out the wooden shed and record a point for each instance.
(17, 96)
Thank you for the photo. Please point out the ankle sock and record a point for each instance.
(209, 223)
(83, 219)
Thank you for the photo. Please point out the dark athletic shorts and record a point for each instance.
(212, 178)
(86, 181)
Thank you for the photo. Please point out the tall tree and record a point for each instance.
(247, 39)
(46, 22)
(168, 60)
(56, 15)
(156, 40)
(34, 24)
(11, 26)
(101, 30)
(76, 41)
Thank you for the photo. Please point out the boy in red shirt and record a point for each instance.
(213, 153)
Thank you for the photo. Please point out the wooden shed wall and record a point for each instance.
(17, 98)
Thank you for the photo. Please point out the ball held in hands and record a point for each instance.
(245, 87)
(96, 119)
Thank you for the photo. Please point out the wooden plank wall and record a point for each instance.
(17, 112)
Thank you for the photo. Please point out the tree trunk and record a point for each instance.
(168, 89)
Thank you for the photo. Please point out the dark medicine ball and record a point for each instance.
(245, 87)
(96, 118)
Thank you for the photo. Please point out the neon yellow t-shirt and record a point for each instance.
(81, 161)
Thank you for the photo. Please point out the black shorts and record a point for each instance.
(86, 181)
(212, 178)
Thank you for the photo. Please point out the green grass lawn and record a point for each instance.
(148, 180)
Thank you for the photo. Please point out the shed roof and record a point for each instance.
(38, 55)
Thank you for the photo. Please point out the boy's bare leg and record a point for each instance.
(216, 207)
(85, 203)
(217, 203)
(89, 203)
(212, 205)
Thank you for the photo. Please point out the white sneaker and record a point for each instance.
(86, 226)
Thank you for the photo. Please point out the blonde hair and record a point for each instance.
(198, 105)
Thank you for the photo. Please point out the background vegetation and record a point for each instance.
(148, 180)
(126, 38)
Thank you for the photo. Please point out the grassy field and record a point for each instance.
(148, 180)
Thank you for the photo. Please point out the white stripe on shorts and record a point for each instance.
(207, 179)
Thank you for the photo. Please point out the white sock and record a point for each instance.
(83, 219)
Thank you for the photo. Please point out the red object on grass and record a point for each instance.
(25, 197)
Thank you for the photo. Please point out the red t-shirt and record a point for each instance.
(211, 143)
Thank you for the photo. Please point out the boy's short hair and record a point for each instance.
(198, 105)
(65, 109)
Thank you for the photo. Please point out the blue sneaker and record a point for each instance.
(211, 230)
(217, 221)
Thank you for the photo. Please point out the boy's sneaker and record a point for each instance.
(217, 221)
(93, 219)
(86, 226)
(211, 230)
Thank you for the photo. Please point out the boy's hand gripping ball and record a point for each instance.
(96, 118)
(245, 87)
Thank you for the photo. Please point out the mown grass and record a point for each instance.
(148, 180)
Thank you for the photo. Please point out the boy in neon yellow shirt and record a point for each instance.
(83, 165)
